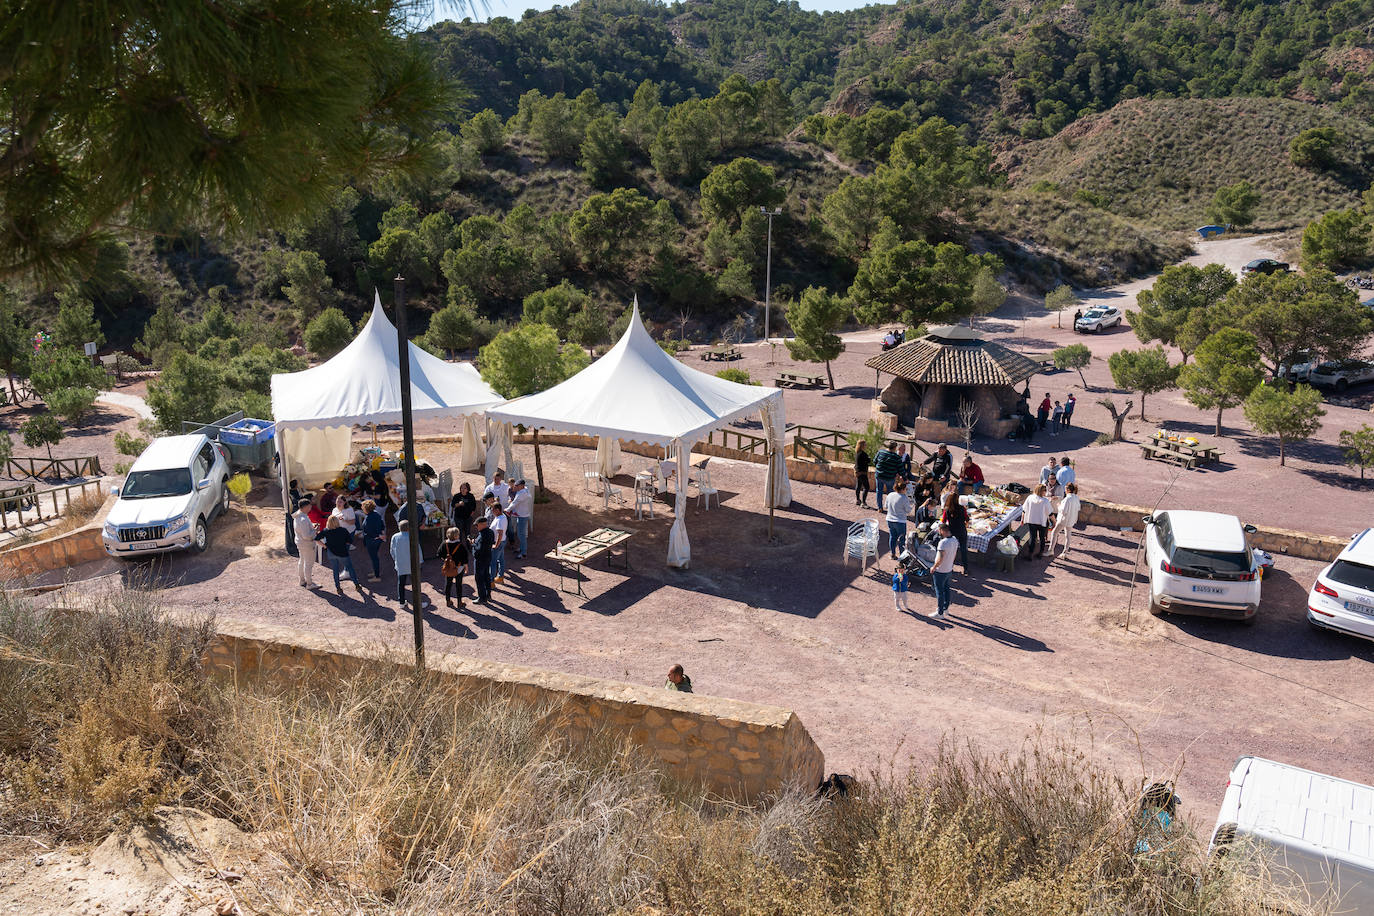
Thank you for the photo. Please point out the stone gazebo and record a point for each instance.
(949, 365)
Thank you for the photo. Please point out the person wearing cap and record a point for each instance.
(520, 509)
(482, 541)
(940, 463)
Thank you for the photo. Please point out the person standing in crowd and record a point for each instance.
(497, 525)
(400, 557)
(1065, 475)
(942, 570)
(498, 488)
(1056, 418)
(374, 534)
(898, 506)
(903, 454)
(1042, 415)
(317, 515)
(482, 541)
(521, 508)
(1077, 314)
(1036, 513)
(347, 516)
(678, 680)
(941, 463)
(454, 552)
(462, 507)
(861, 474)
(1048, 476)
(901, 587)
(337, 540)
(955, 518)
(293, 501)
(1069, 404)
(970, 476)
(304, 530)
(1068, 517)
(886, 466)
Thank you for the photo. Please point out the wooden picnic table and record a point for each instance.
(1184, 453)
(798, 380)
(578, 553)
(722, 352)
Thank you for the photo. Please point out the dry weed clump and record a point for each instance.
(404, 794)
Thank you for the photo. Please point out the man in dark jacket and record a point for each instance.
(482, 542)
(940, 464)
(887, 464)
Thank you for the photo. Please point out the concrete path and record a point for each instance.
(128, 401)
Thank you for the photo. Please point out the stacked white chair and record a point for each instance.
(861, 542)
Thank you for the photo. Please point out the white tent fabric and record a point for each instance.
(608, 455)
(638, 393)
(472, 455)
(499, 438)
(362, 384)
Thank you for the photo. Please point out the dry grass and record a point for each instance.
(78, 512)
(406, 796)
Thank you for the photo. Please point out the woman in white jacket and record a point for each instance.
(1068, 517)
(1035, 511)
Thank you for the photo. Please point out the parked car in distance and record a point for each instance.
(1342, 598)
(1300, 829)
(171, 494)
(1264, 266)
(1299, 367)
(1342, 374)
(1097, 318)
(1201, 563)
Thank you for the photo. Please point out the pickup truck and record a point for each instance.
(1341, 375)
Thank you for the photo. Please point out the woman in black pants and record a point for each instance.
(461, 508)
(956, 517)
(454, 553)
(861, 475)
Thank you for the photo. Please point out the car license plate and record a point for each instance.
(1357, 608)
(1208, 589)
(142, 545)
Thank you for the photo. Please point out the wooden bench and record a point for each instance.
(722, 352)
(1189, 456)
(1152, 450)
(797, 380)
(576, 554)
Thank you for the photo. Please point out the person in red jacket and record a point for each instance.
(970, 477)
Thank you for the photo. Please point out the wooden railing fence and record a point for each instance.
(26, 499)
(44, 468)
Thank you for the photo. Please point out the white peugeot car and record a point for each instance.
(1201, 563)
(1098, 318)
(1343, 596)
(173, 491)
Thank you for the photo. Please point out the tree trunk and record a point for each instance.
(1142, 405)
(1281, 455)
(1082, 379)
(538, 462)
(830, 375)
(1219, 410)
(14, 392)
(1119, 421)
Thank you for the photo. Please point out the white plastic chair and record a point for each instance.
(591, 477)
(644, 498)
(861, 542)
(705, 490)
(517, 472)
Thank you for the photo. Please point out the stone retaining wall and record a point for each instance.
(1275, 540)
(735, 749)
(73, 548)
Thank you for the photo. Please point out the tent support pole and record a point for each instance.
(374, 425)
(412, 494)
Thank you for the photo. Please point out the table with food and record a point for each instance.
(989, 515)
(379, 475)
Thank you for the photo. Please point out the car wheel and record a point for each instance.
(1155, 609)
(1249, 621)
(1342, 384)
(200, 537)
(224, 498)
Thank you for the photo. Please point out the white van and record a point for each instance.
(1311, 831)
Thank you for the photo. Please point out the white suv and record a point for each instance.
(172, 492)
(1201, 563)
(1343, 596)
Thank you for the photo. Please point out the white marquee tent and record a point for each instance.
(638, 393)
(316, 409)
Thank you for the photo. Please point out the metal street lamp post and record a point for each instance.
(412, 495)
(768, 272)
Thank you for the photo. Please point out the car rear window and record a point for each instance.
(1211, 560)
(1353, 574)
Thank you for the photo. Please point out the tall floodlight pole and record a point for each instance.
(412, 494)
(768, 271)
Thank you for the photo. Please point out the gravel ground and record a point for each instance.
(788, 623)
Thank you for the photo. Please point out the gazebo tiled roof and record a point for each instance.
(955, 356)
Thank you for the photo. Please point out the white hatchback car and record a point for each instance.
(1098, 318)
(1201, 563)
(172, 492)
(1343, 596)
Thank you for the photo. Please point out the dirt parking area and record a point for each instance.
(787, 622)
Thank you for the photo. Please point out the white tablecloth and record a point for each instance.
(981, 542)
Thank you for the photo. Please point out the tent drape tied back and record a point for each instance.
(638, 393)
(471, 457)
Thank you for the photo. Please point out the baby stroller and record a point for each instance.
(910, 557)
